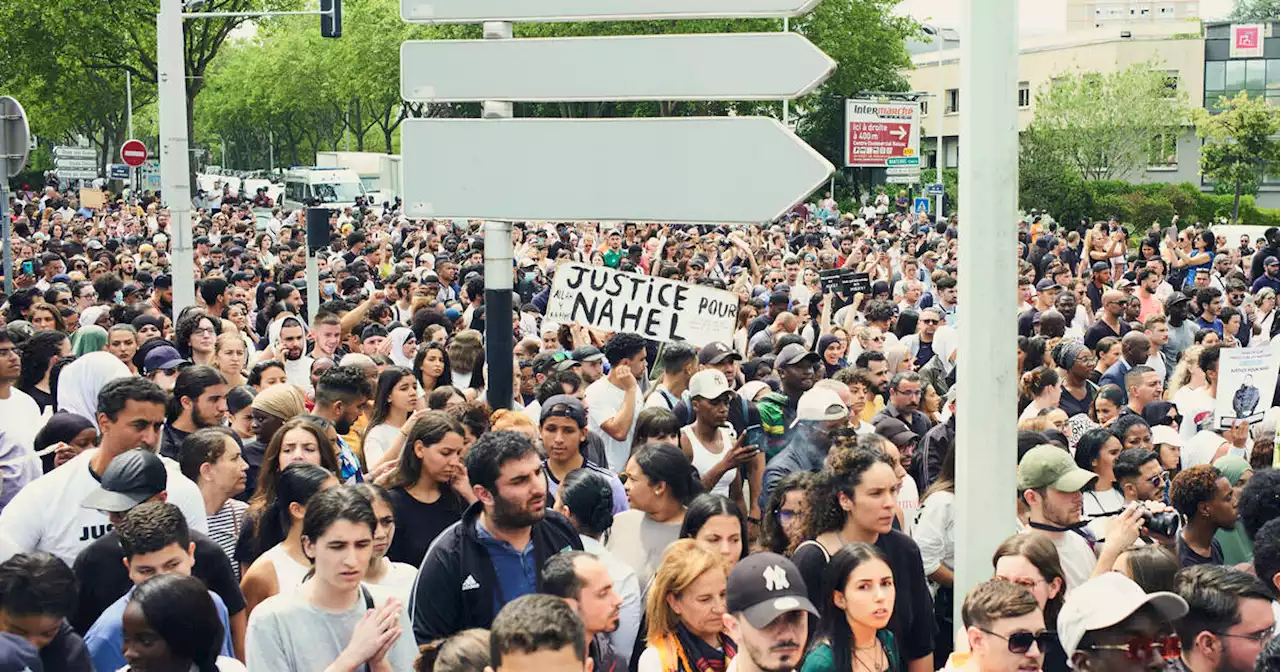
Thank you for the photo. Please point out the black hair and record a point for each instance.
(487, 455)
(1209, 356)
(1193, 487)
(191, 383)
(559, 577)
(296, 484)
(327, 507)
(623, 345)
(772, 536)
(1128, 463)
(420, 358)
(256, 373)
(1213, 594)
(708, 505)
(589, 499)
(342, 383)
(38, 584)
(1089, 446)
(536, 622)
(178, 607)
(186, 326)
(1266, 554)
(675, 356)
(37, 354)
(240, 398)
(1127, 421)
(152, 526)
(115, 394)
(843, 475)
(665, 463)
(387, 381)
(212, 289)
(834, 579)
(201, 447)
(1259, 501)
(429, 430)
(868, 356)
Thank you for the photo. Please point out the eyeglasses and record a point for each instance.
(202, 331)
(787, 515)
(1157, 480)
(65, 302)
(1021, 641)
(1023, 581)
(8, 352)
(1140, 649)
(929, 321)
(1261, 636)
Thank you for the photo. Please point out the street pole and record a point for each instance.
(6, 230)
(937, 35)
(175, 166)
(987, 409)
(128, 116)
(499, 275)
(271, 152)
(786, 104)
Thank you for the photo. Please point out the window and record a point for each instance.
(1273, 74)
(1215, 75)
(953, 101)
(1235, 76)
(1255, 74)
(1162, 154)
(1171, 82)
(924, 108)
(1024, 94)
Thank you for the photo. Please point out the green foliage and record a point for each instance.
(1102, 126)
(1239, 141)
(950, 185)
(1138, 205)
(1248, 11)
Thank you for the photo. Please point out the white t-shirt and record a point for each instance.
(223, 663)
(604, 400)
(377, 442)
(47, 514)
(1102, 506)
(1074, 553)
(20, 418)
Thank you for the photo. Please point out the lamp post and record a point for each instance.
(936, 32)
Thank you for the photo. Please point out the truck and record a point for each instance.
(381, 174)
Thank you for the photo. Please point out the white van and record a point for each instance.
(332, 188)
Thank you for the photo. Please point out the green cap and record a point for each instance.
(1052, 467)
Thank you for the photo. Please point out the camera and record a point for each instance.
(1163, 524)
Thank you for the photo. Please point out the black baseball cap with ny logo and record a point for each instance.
(764, 586)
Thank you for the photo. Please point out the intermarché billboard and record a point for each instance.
(880, 133)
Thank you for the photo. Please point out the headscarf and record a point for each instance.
(1065, 354)
(896, 354)
(281, 401)
(1077, 425)
(87, 339)
(826, 341)
(61, 428)
(83, 379)
(399, 336)
(273, 329)
(92, 314)
(1157, 413)
(1233, 467)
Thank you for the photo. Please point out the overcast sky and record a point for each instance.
(1035, 17)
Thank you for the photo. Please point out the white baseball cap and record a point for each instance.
(820, 404)
(708, 384)
(1164, 434)
(1106, 600)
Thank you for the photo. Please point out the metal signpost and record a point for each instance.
(15, 144)
(683, 169)
(75, 163)
(881, 133)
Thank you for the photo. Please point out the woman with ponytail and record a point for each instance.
(171, 623)
(1043, 388)
(660, 482)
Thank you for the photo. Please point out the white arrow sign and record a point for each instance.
(691, 169)
(63, 162)
(545, 11)
(899, 133)
(742, 66)
(74, 152)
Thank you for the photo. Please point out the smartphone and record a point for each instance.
(28, 268)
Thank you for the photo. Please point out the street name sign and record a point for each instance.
(903, 179)
(673, 169)
(903, 170)
(935, 189)
(549, 11)
(70, 152)
(77, 164)
(878, 131)
(736, 66)
(77, 174)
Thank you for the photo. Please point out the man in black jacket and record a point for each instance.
(497, 551)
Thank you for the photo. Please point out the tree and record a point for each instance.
(1239, 142)
(1107, 126)
(1249, 11)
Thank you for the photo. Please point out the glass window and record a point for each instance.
(1257, 74)
(1024, 94)
(1162, 153)
(1235, 76)
(1215, 73)
(1273, 74)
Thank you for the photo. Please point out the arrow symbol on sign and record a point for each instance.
(899, 132)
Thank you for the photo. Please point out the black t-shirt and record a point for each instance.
(1187, 557)
(912, 622)
(1072, 406)
(66, 652)
(104, 578)
(1100, 330)
(418, 524)
(43, 399)
(924, 353)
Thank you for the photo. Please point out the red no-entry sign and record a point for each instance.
(133, 153)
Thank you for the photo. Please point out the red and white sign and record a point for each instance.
(133, 153)
(1247, 40)
(880, 134)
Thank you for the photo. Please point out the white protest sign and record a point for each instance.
(1246, 383)
(656, 308)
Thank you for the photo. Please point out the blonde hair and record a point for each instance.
(226, 338)
(508, 420)
(895, 355)
(682, 564)
(1182, 372)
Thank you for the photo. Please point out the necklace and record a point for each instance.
(876, 663)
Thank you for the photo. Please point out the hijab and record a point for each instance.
(83, 379)
(87, 339)
(826, 341)
(399, 336)
(1233, 467)
(280, 401)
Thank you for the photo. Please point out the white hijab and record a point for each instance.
(82, 380)
(399, 336)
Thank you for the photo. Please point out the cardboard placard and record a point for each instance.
(95, 199)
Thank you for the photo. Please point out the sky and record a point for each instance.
(1035, 17)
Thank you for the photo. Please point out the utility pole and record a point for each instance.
(499, 274)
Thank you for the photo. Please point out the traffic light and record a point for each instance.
(331, 23)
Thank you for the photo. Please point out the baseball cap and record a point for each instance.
(1164, 434)
(1270, 261)
(764, 586)
(16, 653)
(716, 352)
(1052, 467)
(588, 353)
(1175, 298)
(1101, 266)
(1106, 600)
(708, 384)
(162, 281)
(794, 354)
(820, 405)
(162, 358)
(131, 478)
(1124, 283)
(564, 406)
(563, 361)
(1048, 285)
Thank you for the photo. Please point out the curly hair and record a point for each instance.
(1193, 487)
(844, 469)
(1259, 501)
(772, 536)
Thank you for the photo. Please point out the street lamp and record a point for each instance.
(936, 32)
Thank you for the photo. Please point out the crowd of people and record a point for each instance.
(254, 482)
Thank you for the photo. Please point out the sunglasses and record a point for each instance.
(1020, 642)
(1140, 649)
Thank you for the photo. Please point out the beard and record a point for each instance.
(342, 426)
(766, 661)
(201, 421)
(509, 514)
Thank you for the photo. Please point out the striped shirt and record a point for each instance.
(224, 529)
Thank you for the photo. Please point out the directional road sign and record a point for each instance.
(741, 66)
(133, 153)
(674, 169)
(876, 131)
(545, 11)
(77, 174)
(76, 164)
(903, 170)
(69, 152)
(903, 179)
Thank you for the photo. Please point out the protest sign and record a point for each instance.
(845, 281)
(1246, 382)
(663, 310)
(95, 199)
